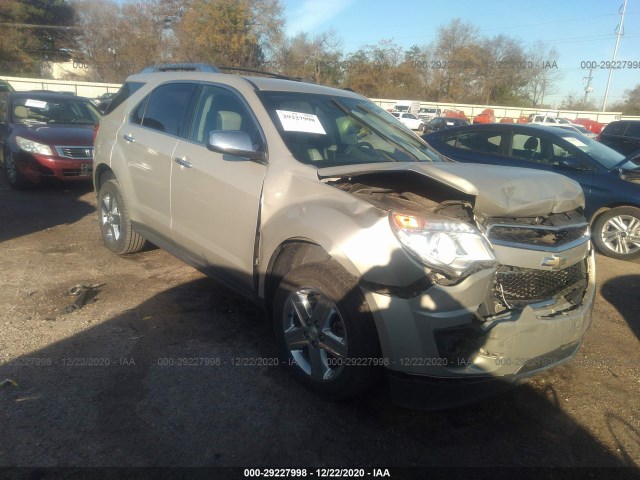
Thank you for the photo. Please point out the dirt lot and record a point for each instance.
(96, 387)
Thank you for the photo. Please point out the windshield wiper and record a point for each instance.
(373, 129)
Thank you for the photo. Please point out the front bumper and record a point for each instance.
(502, 350)
(36, 167)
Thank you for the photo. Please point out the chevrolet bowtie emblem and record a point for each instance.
(556, 262)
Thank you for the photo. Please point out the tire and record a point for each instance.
(616, 233)
(15, 179)
(115, 224)
(332, 351)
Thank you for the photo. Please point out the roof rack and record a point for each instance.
(262, 72)
(203, 67)
(182, 67)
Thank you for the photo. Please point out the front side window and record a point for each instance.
(167, 108)
(325, 131)
(527, 147)
(220, 109)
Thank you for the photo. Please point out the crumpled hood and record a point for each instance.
(499, 191)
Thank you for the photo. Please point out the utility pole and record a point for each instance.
(588, 88)
(619, 33)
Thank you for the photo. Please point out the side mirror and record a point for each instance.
(234, 142)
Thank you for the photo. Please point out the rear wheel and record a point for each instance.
(115, 224)
(616, 233)
(325, 332)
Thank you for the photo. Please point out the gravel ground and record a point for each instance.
(102, 385)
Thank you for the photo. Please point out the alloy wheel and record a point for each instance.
(110, 216)
(621, 234)
(315, 334)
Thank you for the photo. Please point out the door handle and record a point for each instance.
(129, 138)
(183, 162)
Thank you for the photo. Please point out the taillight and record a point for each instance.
(95, 131)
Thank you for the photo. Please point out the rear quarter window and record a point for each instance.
(126, 90)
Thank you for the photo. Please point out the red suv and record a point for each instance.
(46, 135)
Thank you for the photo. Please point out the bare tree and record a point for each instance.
(543, 75)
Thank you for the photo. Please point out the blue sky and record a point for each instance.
(581, 30)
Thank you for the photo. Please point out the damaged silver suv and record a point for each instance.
(370, 252)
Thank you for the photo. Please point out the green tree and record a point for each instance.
(630, 104)
(238, 33)
(34, 31)
(316, 58)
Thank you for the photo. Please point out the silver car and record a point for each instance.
(370, 252)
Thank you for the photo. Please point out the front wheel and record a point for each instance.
(115, 224)
(325, 332)
(14, 177)
(616, 233)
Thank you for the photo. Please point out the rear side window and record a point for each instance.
(126, 90)
(633, 130)
(615, 128)
(167, 108)
(487, 142)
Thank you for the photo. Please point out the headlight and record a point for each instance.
(32, 147)
(448, 246)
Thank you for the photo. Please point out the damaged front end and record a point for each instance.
(502, 296)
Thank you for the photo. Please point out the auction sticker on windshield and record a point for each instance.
(35, 103)
(300, 122)
(575, 141)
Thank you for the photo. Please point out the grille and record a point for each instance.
(75, 152)
(526, 285)
(537, 236)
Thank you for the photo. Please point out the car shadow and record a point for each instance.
(191, 377)
(617, 291)
(39, 207)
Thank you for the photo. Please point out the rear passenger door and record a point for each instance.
(215, 198)
(148, 141)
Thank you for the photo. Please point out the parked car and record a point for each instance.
(46, 135)
(611, 182)
(622, 135)
(6, 86)
(507, 120)
(427, 113)
(409, 120)
(369, 251)
(547, 119)
(591, 125)
(574, 127)
(455, 113)
(486, 116)
(102, 102)
(440, 123)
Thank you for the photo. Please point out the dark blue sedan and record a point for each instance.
(611, 181)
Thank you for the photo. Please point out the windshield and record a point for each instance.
(54, 111)
(326, 131)
(605, 156)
